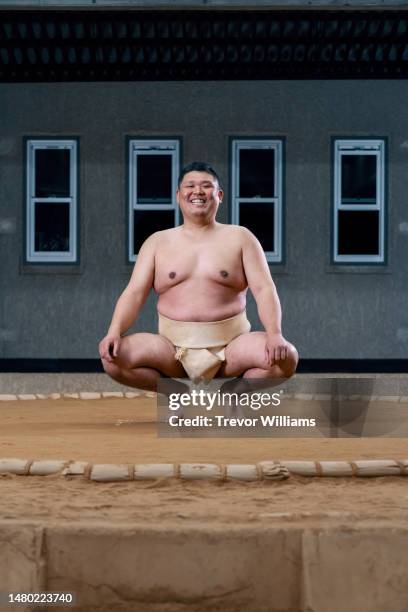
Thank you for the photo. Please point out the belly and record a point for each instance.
(192, 301)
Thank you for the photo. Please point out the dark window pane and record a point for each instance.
(256, 173)
(358, 179)
(51, 226)
(146, 222)
(359, 232)
(154, 179)
(52, 173)
(260, 220)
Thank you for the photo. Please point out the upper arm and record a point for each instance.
(255, 265)
(142, 277)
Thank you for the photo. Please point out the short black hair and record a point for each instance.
(198, 166)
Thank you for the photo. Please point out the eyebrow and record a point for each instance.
(206, 182)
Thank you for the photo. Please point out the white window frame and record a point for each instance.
(151, 147)
(237, 145)
(360, 147)
(33, 256)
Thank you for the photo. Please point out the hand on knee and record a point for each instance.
(289, 365)
(110, 368)
(284, 368)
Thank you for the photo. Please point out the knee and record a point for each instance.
(289, 365)
(110, 368)
(284, 368)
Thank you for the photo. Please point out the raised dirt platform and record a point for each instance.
(300, 545)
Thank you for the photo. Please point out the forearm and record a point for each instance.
(269, 309)
(126, 312)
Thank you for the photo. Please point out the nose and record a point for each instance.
(198, 189)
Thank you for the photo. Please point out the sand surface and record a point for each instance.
(121, 430)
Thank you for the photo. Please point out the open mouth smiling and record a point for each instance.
(198, 201)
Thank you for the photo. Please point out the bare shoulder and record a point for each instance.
(239, 234)
(160, 237)
(163, 234)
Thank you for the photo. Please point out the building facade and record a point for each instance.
(311, 146)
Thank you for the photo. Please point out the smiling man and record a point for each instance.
(201, 272)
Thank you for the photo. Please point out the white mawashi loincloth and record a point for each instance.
(200, 345)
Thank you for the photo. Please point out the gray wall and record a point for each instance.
(155, 4)
(329, 311)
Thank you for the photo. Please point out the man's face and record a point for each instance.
(199, 194)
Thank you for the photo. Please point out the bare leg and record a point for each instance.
(245, 356)
(142, 360)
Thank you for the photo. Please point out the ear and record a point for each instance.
(221, 195)
(178, 195)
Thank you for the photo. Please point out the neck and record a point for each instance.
(199, 225)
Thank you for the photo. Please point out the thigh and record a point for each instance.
(149, 351)
(243, 353)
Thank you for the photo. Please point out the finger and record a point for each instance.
(106, 355)
(105, 352)
(115, 348)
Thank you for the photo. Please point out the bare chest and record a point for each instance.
(212, 262)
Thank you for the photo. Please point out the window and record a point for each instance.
(257, 192)
(153, 172)
(51, 205)
(359, 178)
